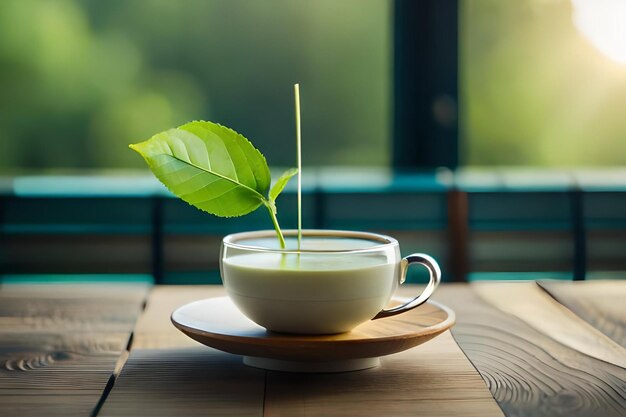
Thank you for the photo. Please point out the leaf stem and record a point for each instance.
(296, 88)
(281, 239)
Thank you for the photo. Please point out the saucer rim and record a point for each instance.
(286, 340)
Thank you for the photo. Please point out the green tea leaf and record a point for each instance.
(281, 182)
(210, 167)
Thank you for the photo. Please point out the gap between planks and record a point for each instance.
(121, 361)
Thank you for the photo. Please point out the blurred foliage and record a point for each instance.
(81, 79)
(534, 91)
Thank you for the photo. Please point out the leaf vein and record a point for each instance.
(220, 176)
(216, 196)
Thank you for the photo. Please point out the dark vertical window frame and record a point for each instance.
(458, 232)
(579, 234)
(157, 248)
(425, 84)
(3, 203)
(425, 104)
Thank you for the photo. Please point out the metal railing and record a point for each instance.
(478, 224)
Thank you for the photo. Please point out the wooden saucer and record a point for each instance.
(217, 323)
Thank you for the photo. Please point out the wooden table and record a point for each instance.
(518, 349)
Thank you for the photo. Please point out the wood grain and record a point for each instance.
(529, 303)
(154, 329)
(169, 374)
(529, 373)
(600, 303)
(185, 382)
(434, 379)
(60, 345)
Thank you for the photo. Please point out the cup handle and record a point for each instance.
(435, 277)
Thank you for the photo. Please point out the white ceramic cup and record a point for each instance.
(336, 281)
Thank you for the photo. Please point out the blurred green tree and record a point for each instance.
(534, 90)
(82, 79)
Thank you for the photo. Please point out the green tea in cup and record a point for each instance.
(335, 281)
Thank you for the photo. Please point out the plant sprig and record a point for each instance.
(215, 169)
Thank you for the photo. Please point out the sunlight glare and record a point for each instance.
(603, 23)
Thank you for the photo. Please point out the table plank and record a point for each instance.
(600, 303)
(169, 374)
(531, 304)
(433, 379)
(45, 404)
(185, 382)
(154, 329)
(528, 372)
(60, 345)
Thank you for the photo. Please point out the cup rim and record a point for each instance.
(386, 241)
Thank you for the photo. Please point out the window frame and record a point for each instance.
(425, 84)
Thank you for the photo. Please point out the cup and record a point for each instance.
(335, 281)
